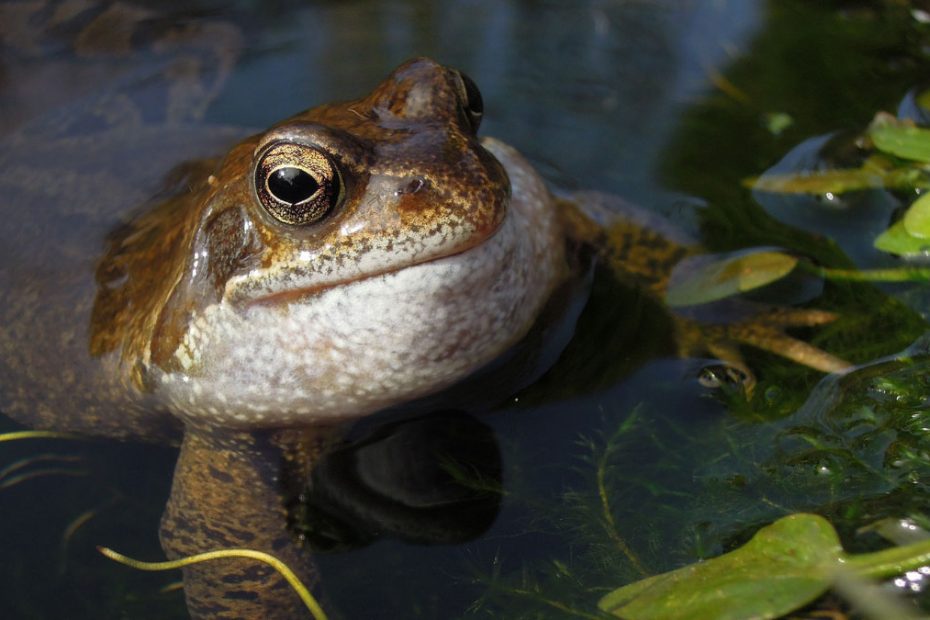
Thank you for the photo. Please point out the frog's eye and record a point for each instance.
(471, 96)
(297, 184)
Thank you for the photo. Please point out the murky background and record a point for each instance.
(670, 104)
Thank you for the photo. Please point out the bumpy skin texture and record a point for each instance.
(407, 332)
(429, 266)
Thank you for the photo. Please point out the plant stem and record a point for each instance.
(890, 562)
(311, 603)
(17, 435)
(900, 274)
(609, 522)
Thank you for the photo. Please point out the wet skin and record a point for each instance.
(354, 257)
(412, 249)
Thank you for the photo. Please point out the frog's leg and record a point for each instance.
(227, 493)
(639, 246)
(642, 248)
(766, 331)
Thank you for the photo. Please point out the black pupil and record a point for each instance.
(292, 185)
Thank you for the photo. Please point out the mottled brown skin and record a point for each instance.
(225, 493)
(64, 188)
(147, 313)
(133, 316)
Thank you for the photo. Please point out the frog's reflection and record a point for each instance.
(430, 480)
(433, 480)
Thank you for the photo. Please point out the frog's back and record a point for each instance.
(63, 195)
(103, 100)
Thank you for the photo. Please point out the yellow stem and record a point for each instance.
(261, 556)
(15, 435)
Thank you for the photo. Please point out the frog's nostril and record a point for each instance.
(411, 187)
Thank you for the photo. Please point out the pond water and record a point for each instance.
(618, 462)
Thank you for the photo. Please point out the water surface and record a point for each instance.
(665, 103)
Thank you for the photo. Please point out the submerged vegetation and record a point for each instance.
(661, 487)
(856, 453)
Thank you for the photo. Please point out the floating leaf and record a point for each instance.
(917, 219)
(709, 277)
(819, 182)
(874, 173)
(896, 240)
(785, 566)
(900, 138)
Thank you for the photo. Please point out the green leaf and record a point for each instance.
(785, 566)
(820, 182)
(876, 172)
(900, 138)
(709, 277)
(896, 240)
(917, 218)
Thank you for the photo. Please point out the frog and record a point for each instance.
(348, 260)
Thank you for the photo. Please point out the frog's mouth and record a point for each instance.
(243, 293)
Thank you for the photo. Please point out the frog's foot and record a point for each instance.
(766, 331)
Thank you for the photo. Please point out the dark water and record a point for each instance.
(665, 103)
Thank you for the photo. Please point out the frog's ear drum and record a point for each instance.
(297, 184)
